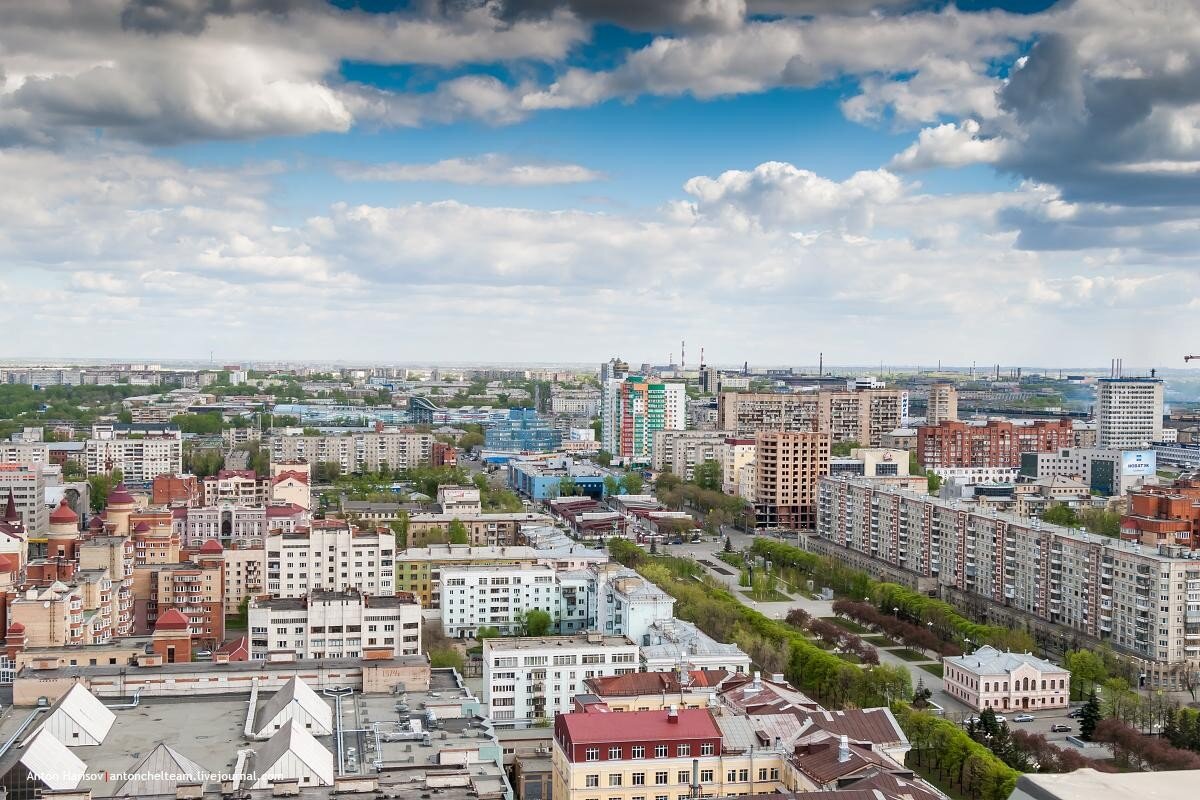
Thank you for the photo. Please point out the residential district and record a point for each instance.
(655, 583)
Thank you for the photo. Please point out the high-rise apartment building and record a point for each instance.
(862, 416)
(1143, 601)
(787, 466)
(358, 452)
(633, 409)
(996, 443)
(1129, 412)
(942, 405)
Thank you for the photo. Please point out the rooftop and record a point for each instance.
(651, 726)
(541, 642)
(1088, 784)
(987, 660)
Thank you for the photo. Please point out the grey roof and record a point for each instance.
(294, 691)
(987, 660)
(162, 769)
(292, 738)
(1088, 784)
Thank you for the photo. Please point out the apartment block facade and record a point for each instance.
(942, 405)
(1143, 601)
(996, 443)
(26, 484)
(335, 625)
(358, 452)
(331, 556)
(1129, 412)
(862, 416)
(682, 451)
(633, 409)
(141, 452)
(531, 678)
(787, 467)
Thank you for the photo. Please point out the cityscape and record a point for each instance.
(599, 399)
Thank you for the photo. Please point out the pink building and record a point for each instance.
(989, 678)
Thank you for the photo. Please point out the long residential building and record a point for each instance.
(862, 416)
(141, 451)
(534, 678)
(235, 525)
(995, 443)
(357, 452)
(1143, 601)
(475, 597)
(26, 485)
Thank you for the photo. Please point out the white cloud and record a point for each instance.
(949, 145)
(490, 169)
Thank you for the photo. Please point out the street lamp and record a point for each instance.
(967, 642)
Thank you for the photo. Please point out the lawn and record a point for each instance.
(773, 597)
(734, 559)
(879, 641)
(910, 655)
(932, 669)
(847, 624)
(852, 658)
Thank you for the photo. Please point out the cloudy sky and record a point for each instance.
(564, 180)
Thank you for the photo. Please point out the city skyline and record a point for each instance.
(308, 180)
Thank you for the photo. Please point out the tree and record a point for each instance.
(728, 545)
(842, 449)
(469, 441)
(567, 487)
(536, 622)
(487, 632)
(932, 481)
(399, 527)
(73, 470)
(921, 694)
(632, 483)
(1060, 514)
(100, 486)
(708, 475)
(604, 458)
(208, 423)
(1087, 669)
(1089, 718)
(458, 532)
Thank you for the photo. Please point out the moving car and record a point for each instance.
(1058, 727)
(1001, 718)
(1023, 718)
(1075, 713)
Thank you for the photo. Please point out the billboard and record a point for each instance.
(1138, 463)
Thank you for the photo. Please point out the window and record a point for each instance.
(744, 775)
(706, 776)
(639, 779)
(762, 774)
(638, 751)
(614, 754)
(614, 779)
(592, 781)
(591, 754)
(683, 776)
(684, 750)
(706, 749)
(774, 773)
(731, 776)
(660, 778)
(660, 751)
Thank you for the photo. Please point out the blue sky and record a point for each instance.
(562, 180)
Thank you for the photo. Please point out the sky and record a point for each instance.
(887, 181)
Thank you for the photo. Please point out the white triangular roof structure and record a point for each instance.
(270, 763)
(157, 772)
(79, 710)
(307, 702)
(51, 761)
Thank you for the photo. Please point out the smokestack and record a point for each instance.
(844, 749)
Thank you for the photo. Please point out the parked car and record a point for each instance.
(1075, 713)
(1023, 718)
(1058, 727)
(1001, 718)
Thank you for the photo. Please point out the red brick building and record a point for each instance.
(1164, 515)
(997, 443)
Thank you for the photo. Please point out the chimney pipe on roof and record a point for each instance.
(673, 714)
(844, 749)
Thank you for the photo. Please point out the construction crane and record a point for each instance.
(1190, 358)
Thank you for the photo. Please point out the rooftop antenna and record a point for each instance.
(821, 363)
(682, 353)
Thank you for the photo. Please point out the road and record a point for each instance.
(706, 551)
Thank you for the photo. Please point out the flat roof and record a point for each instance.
(1088, 784)
(539, 642)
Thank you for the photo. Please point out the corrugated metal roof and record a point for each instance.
(82, 709)
(294, 739)
(49, 759)
(298, 692)
(160, 772)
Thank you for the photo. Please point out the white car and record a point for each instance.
(1023, 718)
(1000, 718)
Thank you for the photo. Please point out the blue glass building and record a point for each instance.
(523, 431)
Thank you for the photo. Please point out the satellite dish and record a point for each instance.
(45, 604)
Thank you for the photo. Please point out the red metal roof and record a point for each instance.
(120, 496)
(63, 514)
(172, 620)
(212, 546)
(587, 728)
